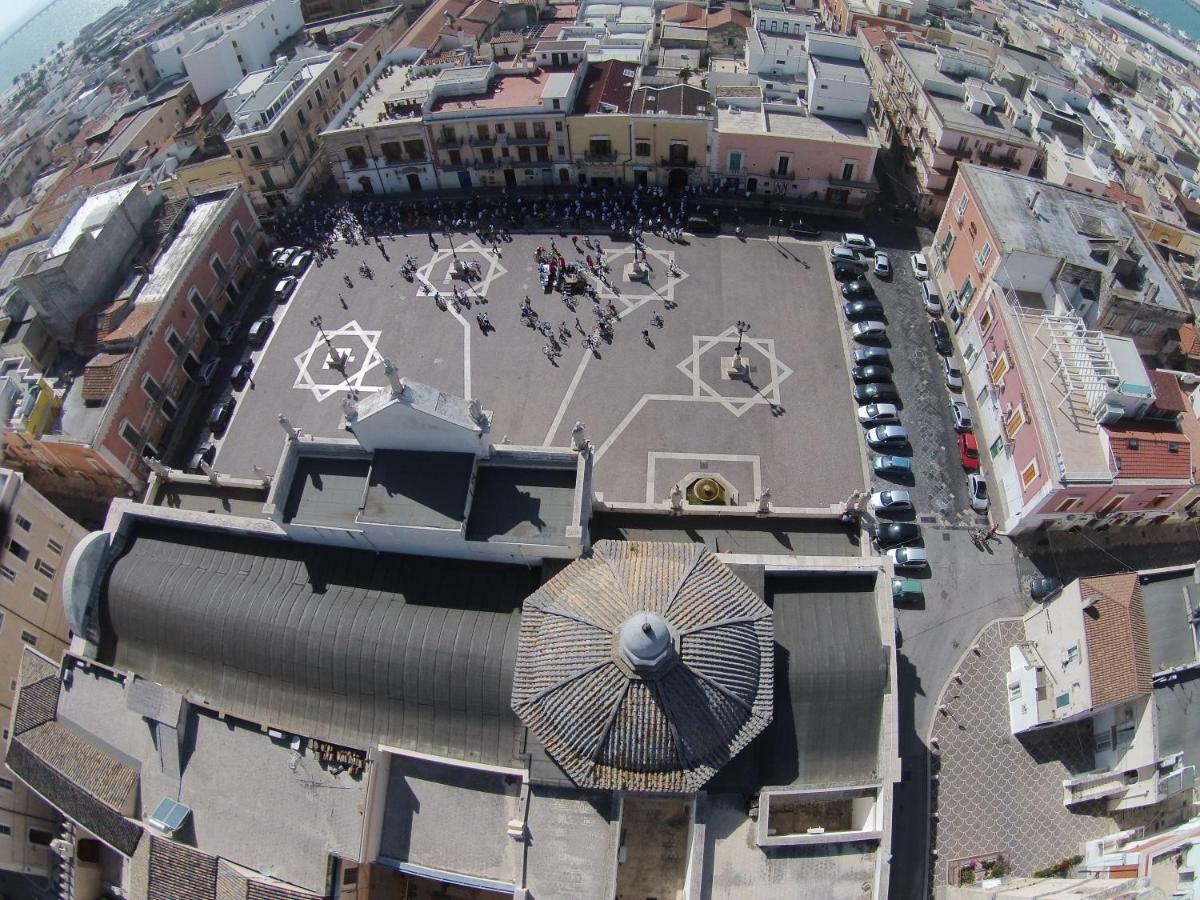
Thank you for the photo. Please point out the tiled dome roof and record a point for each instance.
(645, 667)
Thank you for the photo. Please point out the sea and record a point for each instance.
(1173, 12)
(62, 23)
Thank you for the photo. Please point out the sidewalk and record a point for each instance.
(1067, 555)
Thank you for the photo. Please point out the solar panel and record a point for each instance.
(169, 815)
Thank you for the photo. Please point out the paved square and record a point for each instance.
(653, 411)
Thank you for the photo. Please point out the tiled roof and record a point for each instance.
(1150, 451)
(1189, 341)
(426, 30)
(677, 100)
(178, 872)
(728, 17)
(1118, 641)
(683, 12)
(612, 725)
(1168, 395)
(108, 780)
(609, 83)
(485, 11)
(101, 374)
(131, 328)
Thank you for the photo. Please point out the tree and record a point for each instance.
(685, 73)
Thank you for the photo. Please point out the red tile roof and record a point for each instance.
(1146, 451)
(728, 17)
(139, 317)
(683, 12)
(609, 83)
(425, 33)
(1168, 395)
(1189, 341)
(101, 374)
(1118, 641)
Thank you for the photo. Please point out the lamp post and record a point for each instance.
(742, 328)
(316, 322)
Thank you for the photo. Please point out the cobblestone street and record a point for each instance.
(995, 793)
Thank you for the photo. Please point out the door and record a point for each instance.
(641, 177)
(464, 179)
(510, 178)
(752, 185)
(564, 176)
(365, 185)
(677, 180)
(414, 181)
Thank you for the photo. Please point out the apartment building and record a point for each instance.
(671, 135)
(943, 108)
(1090, 655)
(218, 51)
(503, 127)
(36, 539)
(1053, 295)
(83, 435)
(599, 130)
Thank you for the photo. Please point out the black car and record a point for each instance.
(871, 356)
(859, 287)
(870, 374)
(260, 331)
(240, 373)
(1043, 588)
(205, 453)
(894, 534)
(876, 393)
(700, 225)
(218, 419)
(846, 272)
(862, 309)
(941, 336)
(801, 230)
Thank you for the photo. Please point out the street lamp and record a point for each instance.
(742, 328)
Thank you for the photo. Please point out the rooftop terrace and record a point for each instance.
(397, 93)
(504, 92)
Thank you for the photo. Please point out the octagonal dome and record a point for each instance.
(644, 667)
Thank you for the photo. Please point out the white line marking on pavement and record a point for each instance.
(567, 397)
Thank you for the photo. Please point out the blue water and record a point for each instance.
(62, 23)
(1173, 12)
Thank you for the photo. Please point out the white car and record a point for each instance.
(883, 265)
(919, 266)
(284, 287)
(953, 374)
(859, 242)
(281, 256)
(977, 491)
(909, 558)
(931, 298)
(962, 416)
(872, 329)
(890, 502)
(878, 414)
(300, 261)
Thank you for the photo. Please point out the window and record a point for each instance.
(41, 594)
(131, 436)
(557, 104)
(558, 126)
(18, 551)
(966, 293)
(283, 136)
(1062, 700)
(356, 157)
(301, 117)
(961, 209)
(269, 184)
(947, 244)
(174, 341)
(5, 830)
(23, 523)
(218, 266)
(197, 301)
(985, 321)
(642, 148)
(735, 161)
(782, 164)
(972, 230)
(30, 639)
(1072, 655)
(44, 568)
(1103, 740)
(6, 784)
(350, 876)
(1, 620)
(169, 408)
(847, 171)
(255, 152)
(1029, 474)
(984, 255)
(40, 837)
(1067, 505)
(1111, 506)
(151, 388)
(1159, 501)
(1014, 419)
(392, 151)
(7, 572)
(1000, 366)
(238, 234)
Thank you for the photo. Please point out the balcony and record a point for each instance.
(1093, 786)
(677, 163)
(600, 157)
(483, 141)
(453, 166)
(782, 176)
(528, 141)
(853, 185)
(481, 165)
(447, 141)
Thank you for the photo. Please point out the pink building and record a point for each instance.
(772, 148)
(1067, 415)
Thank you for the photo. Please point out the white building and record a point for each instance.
(838, 86)
(218, 51)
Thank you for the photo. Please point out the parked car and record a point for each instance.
(876, 392)
(941, 337)
(890, 502)
(208, 369)
(870, 330)
(700, 225)
(862, 309)
(848, 256)
(260, 331)
(866, 356)
(218, 419)
(878, 414)
(887, 437)
(284, 288)
(859, 287)
(859, 242)
(228, 334)
(977, 491)
(968, 452)
(870, 374)
(240, 373)
(1043, 588)
(205, 453)
(300, 262)
(896, 534)
(907, 590)
(800, 229)
(919, 267)
(844, 271)
(962, 415)
(282, 256)
(905, 558)
(931, 298)
(893, 466)
(952, 373)
(883, 264)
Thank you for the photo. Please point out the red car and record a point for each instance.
(968, 452)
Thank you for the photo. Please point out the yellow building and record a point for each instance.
(671, 129)
(598, 129)
(203, 177)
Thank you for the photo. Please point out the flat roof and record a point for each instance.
(522, 504)
(423, 489)
(202, 496)
(576, 836)
(504, 92)
(171, 264)
(92, 215)
(326, 490)
(794, 123)
(1178, 706)
(1169, 602)
(730, 534)
(394, 83)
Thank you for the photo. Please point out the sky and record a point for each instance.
(14, 12)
